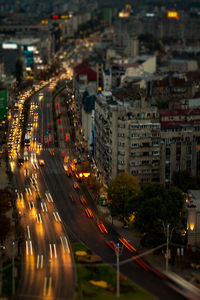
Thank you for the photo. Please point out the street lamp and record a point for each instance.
(118, 250)
(168, 236)
(167, 248)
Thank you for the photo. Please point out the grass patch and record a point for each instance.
(7, 277)
(99, 272)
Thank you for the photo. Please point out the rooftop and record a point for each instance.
(84, 69)
(180, 112)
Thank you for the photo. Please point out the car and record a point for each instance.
(72, 198)
(65, 166)
(31, 205)
(83, 200)
(43, 206)
(41, 162)
(48, 196)
(89, 213)
(101, 227)
(56, 216)
(79, 178)
(20, 161)
(112, 245)
(38, 218)
(76, 186)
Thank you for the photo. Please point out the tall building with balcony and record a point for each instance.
(180, 141)
(127, 135)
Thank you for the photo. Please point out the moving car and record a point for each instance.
(76, 186)
(83, 200)
(89, 213)
(101, 227)
(41, 162)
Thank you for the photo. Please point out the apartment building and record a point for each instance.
(127, 135)
(180, 141)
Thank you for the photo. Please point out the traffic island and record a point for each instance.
(97, 280)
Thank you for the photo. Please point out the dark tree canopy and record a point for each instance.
(157, 207)
(121, 192)
(5, 226)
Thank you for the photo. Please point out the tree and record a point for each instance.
(122, 192)
(157, 207)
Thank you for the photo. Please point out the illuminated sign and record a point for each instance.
(86, 174)
(64, 16)
(172, 15)
(150, 15)
(55, 17)
(31, 48)
(44, 22)
(11, 46)
(128, 6)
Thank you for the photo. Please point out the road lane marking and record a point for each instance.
(65, 243)
(40, 261)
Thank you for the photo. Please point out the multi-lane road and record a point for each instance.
(51, 220)
(47, 266)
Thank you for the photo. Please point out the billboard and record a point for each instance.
(10, 46)
(3, 104)
(172, 15)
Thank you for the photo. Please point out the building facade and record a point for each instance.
(127, 137)
(180, 142)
